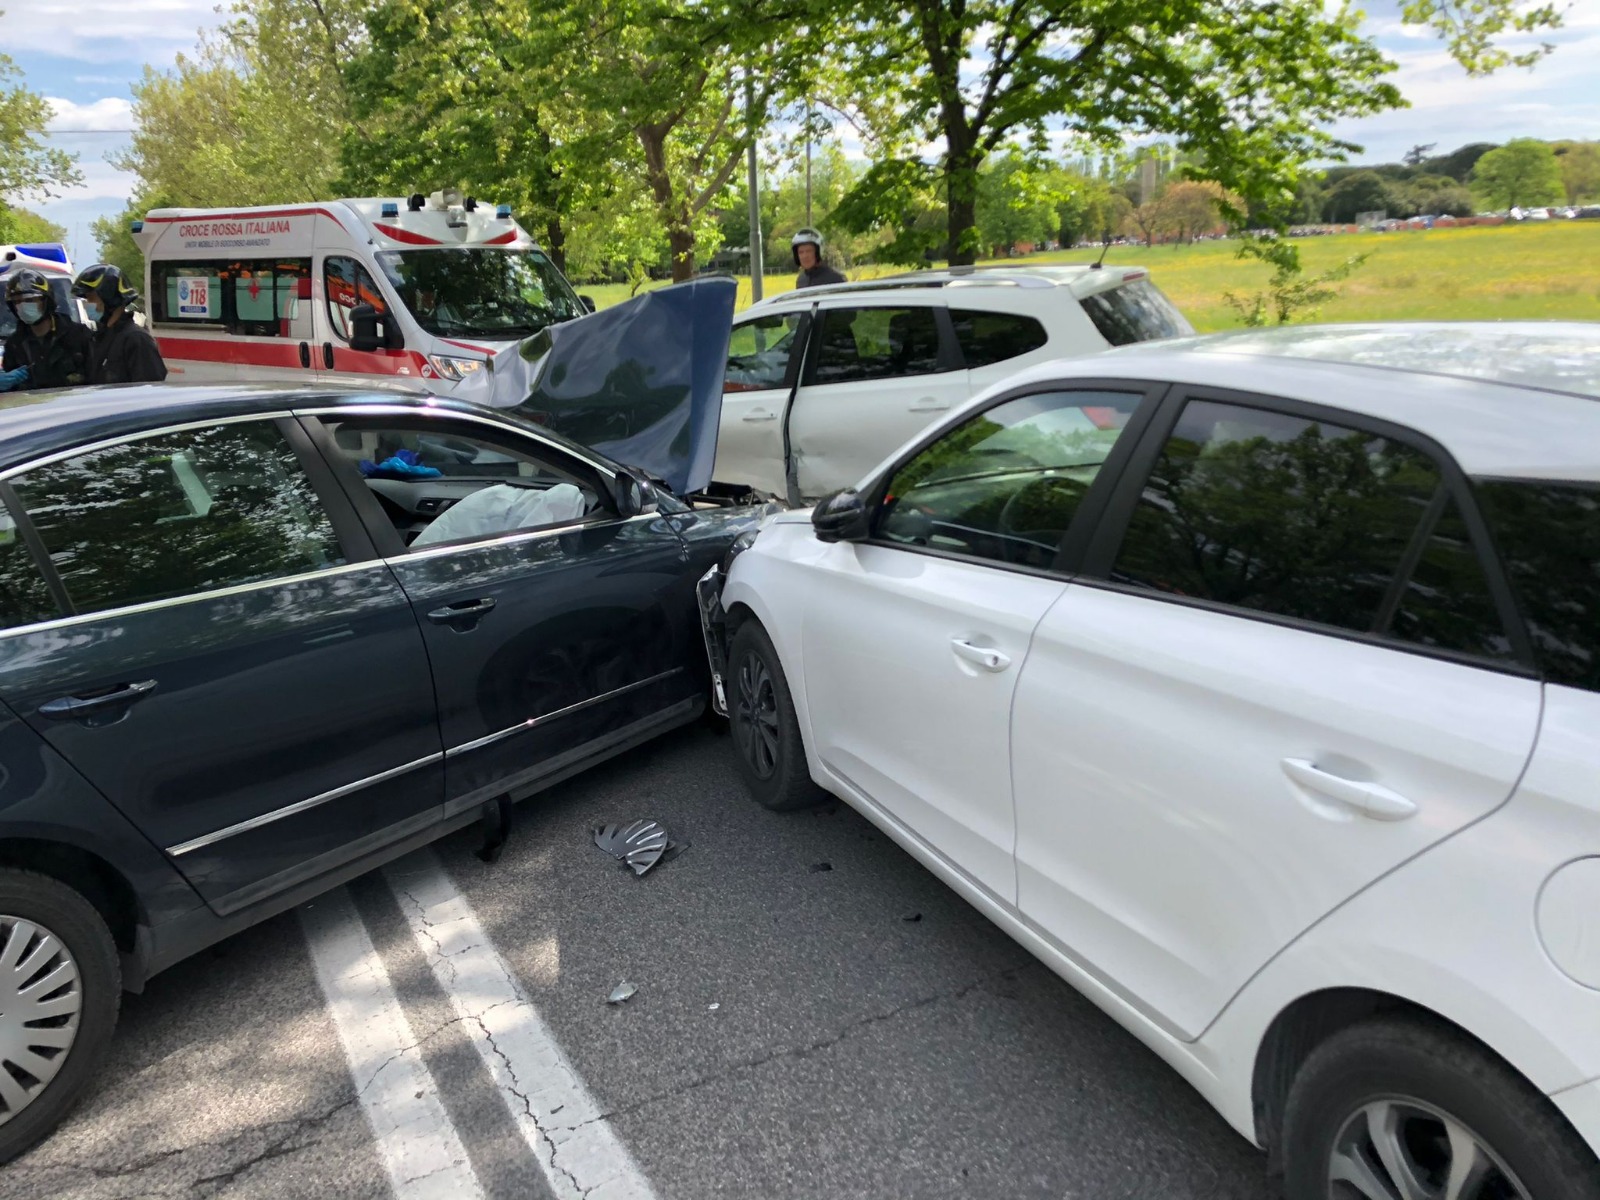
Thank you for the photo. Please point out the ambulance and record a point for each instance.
(418, 292)
(50, 259)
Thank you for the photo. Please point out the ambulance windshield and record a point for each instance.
(483, 293)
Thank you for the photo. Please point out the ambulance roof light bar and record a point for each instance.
(390, 209)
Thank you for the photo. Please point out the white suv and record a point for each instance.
(1253, 683)
(822, 383)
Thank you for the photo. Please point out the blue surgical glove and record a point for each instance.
(11, 380)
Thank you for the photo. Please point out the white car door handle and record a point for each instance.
(929, 404)
(983, 656)
(1370, 799)
(759, 414)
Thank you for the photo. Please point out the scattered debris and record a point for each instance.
(623, 991)
(641, 844)
(713, 1007)
(912, 917)
(816, 868)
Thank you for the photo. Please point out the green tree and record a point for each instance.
(20, 225)
(27, 163)
(1470, 29)
(1365, 191)
(1017, 199)
(1246, 89)
(1522, 172)
(1580, 170)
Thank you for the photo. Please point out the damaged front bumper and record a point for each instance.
(714, 627)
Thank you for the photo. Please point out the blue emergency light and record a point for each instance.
(49, 251)
(390, 209)
(136, 226)
(503, 211)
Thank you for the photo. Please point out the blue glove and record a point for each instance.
(402, 465)
(10, 381)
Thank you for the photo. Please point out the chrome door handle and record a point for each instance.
(463, 616)
(983, 656)
(930, 404)
(1369, 799)
(759, 414)
(69, 708)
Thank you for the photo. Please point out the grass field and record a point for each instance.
(1533, 272)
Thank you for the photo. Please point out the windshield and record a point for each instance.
(480, 292)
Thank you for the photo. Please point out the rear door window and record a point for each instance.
(859, 344)
(990, 337)
(1548, 536)
(1135, 311)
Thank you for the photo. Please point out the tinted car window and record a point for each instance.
(24, 597)
(876, 343)
(178, 513)
(1135, 311)
(1446, 602)
(1548, 536)
(1278, 514)
(346, 283)
(989, 337)
(758, 354)
(1005, 484)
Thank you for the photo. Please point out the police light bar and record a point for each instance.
(503, 211)
(50, 251)
(390, 209)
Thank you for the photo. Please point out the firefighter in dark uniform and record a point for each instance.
(123, 351)
(48, 350)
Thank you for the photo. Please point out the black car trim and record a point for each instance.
(300, 806)
(535, 722)
(192, 598)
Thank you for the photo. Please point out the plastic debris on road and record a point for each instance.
(621, 992)
(821, 866)
(641, 844)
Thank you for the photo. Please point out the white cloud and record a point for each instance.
(111, 114)
(93, 31)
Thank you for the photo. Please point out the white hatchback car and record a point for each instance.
(1253, 683)
(822, 383)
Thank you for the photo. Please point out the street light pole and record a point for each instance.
(757, 260)
(808, 163)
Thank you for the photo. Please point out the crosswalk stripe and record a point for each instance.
(415, 1138)
(578, 1150)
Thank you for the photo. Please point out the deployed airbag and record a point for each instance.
(501, 508)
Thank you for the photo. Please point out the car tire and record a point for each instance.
(766, 734)
(32, 907)
(1434, 1101)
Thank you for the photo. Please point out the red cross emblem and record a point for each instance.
(255, 288)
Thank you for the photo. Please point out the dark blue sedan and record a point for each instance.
(256, 642)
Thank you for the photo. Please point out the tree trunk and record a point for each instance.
(555, 243)
(961, 187)
(672, 210)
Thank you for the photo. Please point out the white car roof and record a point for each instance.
(1083, 279)
(1511, 399)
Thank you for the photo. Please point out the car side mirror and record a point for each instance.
(364, 335)
(636, 496)
(588, 302)
(842, 517)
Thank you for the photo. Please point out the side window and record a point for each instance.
(1548, 536)
(24, 596)
(247, 297)
(437, 486)
(758, 353)
(990, 337)
(346, 283)
(1005, 484)
(876, 343)
(178, 513)
(1305, 519)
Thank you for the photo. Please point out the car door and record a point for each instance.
(910, 666)
(1287, 668)
(878, 375)
(556, 628)
(346, 283)
(222, 656)
(764, 357)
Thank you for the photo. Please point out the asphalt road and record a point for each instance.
(441, 1029)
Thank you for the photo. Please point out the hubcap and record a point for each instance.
(1403, 1149)
(41, 998)
(755, 716)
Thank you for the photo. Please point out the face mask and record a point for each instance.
(96, 312)
(30, 312)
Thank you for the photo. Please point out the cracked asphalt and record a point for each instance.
(872, 1035)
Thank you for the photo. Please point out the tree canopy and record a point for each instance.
(1522, 172)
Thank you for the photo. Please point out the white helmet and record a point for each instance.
(803, 237)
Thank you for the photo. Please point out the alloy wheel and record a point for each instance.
(1403, 1149)
(755, 716)
(41, 999)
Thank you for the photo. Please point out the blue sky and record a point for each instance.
(85, 55)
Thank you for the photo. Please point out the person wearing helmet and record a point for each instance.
(47, 350)
(123, 352)
(807, 247)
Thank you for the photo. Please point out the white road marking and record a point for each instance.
(578, 1150)
(415, 1137)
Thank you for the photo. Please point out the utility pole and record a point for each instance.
(808, 163)
(757, 259)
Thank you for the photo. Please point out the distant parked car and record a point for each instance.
(1252, 683)
(822, 383)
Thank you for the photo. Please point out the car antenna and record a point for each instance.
(1104, 246)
